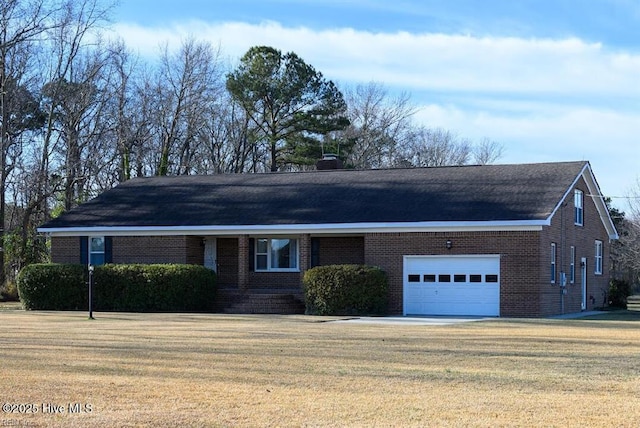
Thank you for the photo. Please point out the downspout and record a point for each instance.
(563, 277)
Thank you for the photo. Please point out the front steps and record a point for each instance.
(234, 301)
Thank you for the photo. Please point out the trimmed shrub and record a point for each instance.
(345, 290)
(154, 288)
(130, 288)
(619, 290)
(53, 287)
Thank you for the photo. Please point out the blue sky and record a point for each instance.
(551, 80)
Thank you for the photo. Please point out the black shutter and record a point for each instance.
(84, 250)
(252, 254)
(315, 252)
(108, 249)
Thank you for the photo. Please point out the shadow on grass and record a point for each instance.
(620, 315)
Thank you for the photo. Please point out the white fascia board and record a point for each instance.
(283, 229)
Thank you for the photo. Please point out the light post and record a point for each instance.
(91, 292)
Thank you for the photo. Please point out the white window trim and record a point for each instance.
(572, 266)
(268, 254)
(599, 250)
(578, 207)
(553, 263)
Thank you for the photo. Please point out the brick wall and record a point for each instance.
(227, 259)
(65, 250)
(158, 249)
(337, 250)
(519, 272)
(583, 239)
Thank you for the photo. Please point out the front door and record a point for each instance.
(583, 280)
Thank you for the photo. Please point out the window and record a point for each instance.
(429, 278)
(553, 263)
(414, 278)
(460, 278)
(276, 254)
(444, 278)
(491, 278)
(96, 250)
(475, 278)
(598, 258)
(578, 202)
(572, 265)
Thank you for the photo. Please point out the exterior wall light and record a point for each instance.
(448, 244)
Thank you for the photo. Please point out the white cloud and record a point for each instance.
(423, 61)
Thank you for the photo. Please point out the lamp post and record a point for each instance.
(91, 292)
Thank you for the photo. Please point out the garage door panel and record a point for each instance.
(462, 285)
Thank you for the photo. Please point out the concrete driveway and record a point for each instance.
(412, 320)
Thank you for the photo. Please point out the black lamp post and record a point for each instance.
(91, 292)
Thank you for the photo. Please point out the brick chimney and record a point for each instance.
(328, 161)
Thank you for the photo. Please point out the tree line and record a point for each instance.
(80, 113)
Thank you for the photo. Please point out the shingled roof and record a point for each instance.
(488, 193)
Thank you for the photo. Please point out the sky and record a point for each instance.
(550, 80)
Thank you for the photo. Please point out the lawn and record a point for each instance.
(181, 370)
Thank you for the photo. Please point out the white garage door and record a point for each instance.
(452, 285)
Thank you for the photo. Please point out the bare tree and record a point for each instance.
(487, 151)
(379, 125)
(436, 147)
(21, 25)
(186, 84)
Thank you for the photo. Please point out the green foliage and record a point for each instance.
(148, 288)
(9, 292)
(346, 290)
(289, 101)
(53, 287)
(619, 290)
(131, 288)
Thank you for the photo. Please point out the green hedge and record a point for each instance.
(131, 288)
(53, 287)
(345, 290)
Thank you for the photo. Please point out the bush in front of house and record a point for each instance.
(154, 288)
(345, 290)
(130, 288)
(619, 290)
(48, 286)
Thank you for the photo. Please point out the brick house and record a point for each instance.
(524, 240)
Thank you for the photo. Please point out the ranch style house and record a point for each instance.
(521, 240)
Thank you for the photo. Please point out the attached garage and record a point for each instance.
(452, 285)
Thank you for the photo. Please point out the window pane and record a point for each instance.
(97, 244)
(475, 278)
(578, 204)
(414, 278)
(459, 278)
(444, 278)
(429, 278)
(261, 262)
(261, 246)
(283, 253)
(491, 278)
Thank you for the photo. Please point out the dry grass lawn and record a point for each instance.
(182, 370)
